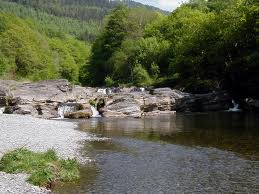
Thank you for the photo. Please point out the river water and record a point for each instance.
(182, 153)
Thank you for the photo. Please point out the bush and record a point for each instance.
(109, 81)
(141, 76)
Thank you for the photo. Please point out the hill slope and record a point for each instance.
(85, 10)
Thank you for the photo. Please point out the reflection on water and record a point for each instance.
(184, 153)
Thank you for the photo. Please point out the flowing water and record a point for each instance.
(2, 110)
(95, 112)
(235, 107)
(183, 153)
(66, 108)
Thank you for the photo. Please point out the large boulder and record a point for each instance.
(215, 101)
(250, 104)
(41, 99)
(82, 114)
(161, 99)
(157, 103)
(121, 106)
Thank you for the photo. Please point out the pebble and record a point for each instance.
(38, 135)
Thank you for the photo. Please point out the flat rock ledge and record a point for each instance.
(38, 135)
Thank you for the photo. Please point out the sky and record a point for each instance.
(167, 5)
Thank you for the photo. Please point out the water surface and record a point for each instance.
(183, 153)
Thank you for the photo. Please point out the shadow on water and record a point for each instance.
(237, 132)
(184, 153)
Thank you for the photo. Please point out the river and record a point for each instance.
(182, 153)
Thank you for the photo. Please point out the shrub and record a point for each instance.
(141, 76)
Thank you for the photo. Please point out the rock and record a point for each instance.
(24, 110)
(45, 100)
(215, 101)
(10, 109)
(41, 99)
(3, 96)
(135, 89)
(251, 104)
(115, 90)
(169, 92)
(160, 99)
(82, 114)
(157, 113)
(161, 91)
(154, 103)
(121, 106)
(109, 113)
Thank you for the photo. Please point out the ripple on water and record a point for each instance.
(182, 154)
(148, 167)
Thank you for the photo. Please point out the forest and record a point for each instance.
(202, 46)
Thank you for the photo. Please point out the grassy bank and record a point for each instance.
(44, 168)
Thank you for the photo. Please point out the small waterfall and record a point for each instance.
(106, 91)
(66, 108)
(2, 110)
(142, 89)
(103, 91)
(95, 112)
(235, 107)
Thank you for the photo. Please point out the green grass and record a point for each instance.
(44, 168)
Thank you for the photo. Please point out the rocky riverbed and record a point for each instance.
(37, 135)
(59, 98)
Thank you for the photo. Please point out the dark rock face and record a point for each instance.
(216, 101)
(251, 105)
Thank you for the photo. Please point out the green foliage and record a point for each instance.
(51, 25)
(109, 42)
(200, 47)
(44, 168)
(116, 50)
(27, 54)
(155, 71)
(109, 81)
(141, 76)
(84, 10)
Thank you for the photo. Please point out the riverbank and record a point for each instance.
(37, 135)
(59, 98)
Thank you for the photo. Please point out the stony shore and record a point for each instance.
(37, 135)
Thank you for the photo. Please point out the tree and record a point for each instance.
(106, 44)
(141, 76)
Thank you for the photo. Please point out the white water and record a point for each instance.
(103, 91)
(2, 110)
(62, 110)
(235, 107)
(95, 112)
(142, 89)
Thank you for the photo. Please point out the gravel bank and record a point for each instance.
(37, 135)
(16, 184)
